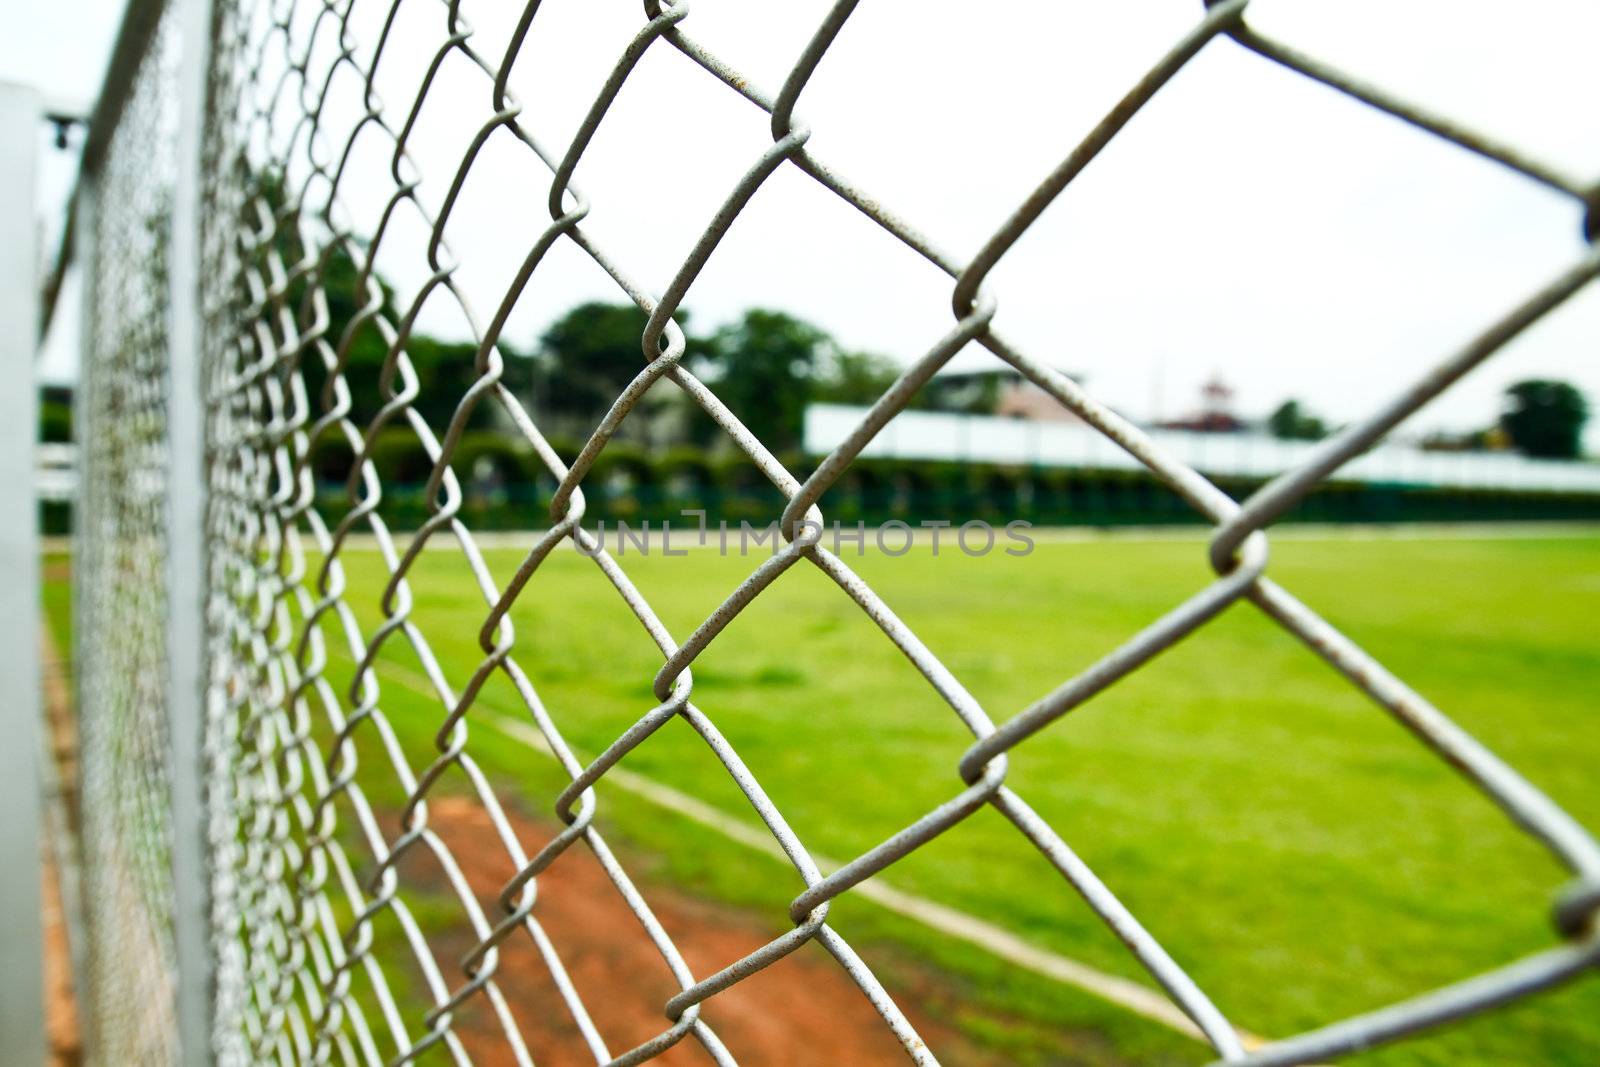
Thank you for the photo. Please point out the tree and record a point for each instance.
(55, 413)
(445, 370)
(1291, 422)
(1545, 418)
(588, 356)
(855, 378)
(763, 367)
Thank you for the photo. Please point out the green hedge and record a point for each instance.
(628, 484)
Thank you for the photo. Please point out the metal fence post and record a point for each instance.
(21, 935)
(186, 502)
(84, 213)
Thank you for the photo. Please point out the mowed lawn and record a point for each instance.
(1292, 846)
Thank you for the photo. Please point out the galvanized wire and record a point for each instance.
(119, 570)
(302, 972)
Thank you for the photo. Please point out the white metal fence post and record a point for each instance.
(21, 935)
(84, 212)
(186, 502)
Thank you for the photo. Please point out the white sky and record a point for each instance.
(1248, 222)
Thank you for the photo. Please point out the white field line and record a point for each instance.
(1139, 999)
(1132, 996)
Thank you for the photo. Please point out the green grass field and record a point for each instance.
(1294, 848)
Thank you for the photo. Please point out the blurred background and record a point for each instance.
(1254, 264)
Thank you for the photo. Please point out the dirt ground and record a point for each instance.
(63, 1035)
(803, 1010)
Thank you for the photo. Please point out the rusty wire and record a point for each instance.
(294, 924)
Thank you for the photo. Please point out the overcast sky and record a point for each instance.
(1248, 222)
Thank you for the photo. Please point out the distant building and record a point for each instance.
(1215, 413)
(1003, 391)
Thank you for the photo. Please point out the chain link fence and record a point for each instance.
(315, 954)
(121, 583)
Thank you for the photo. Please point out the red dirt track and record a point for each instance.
(803, 1010)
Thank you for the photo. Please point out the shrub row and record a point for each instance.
(505, 486)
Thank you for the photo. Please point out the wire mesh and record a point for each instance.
(318, 952)
(126, 828)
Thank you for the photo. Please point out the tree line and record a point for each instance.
(1540, 417)
(766, 366)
